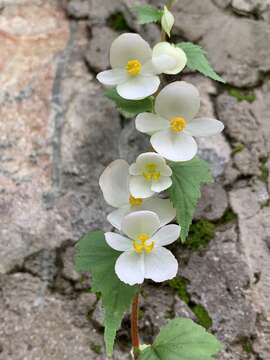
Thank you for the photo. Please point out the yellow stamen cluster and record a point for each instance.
(133, 67)
(151, 172)
(178, 123)
(135, 201)
(140, 245)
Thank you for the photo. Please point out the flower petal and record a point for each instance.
(179, 56)
(140, 222)
(166, 171)
(118, 242)
(138, 87)
(112, 77)
(163, 63)
(128, 47)
(162, 207)
(178, 99)
(133, 169)
(204, 127)
(129, 267)
(173, 146)
(114, 183)
(139, 187)
(166, 235)
(116, 217)
(150, 123)
(152, 158)
(163, 183)
(160, 265)
(148, 68)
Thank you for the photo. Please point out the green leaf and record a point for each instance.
(187, 178)
(182, 339)
(147, 14)
(95, 256)
(196, 60)
(130, 107)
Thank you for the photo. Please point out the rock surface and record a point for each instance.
(242, 58)
(58, 132)
(41, 326)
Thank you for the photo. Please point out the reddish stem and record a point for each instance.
(134, 324)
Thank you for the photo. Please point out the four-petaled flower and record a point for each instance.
(114, 183)
(173, 126)
(149, 175)
(144, 256)
(133, 72)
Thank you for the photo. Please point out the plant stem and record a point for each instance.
(134, 326)
(169, 5)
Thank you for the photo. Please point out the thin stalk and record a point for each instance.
(134, 326)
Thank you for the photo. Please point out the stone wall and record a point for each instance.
(58, 132)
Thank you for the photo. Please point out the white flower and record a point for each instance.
(173, 126)
(167, 21)
(163, 49)
(130, 56)
(114, 183)
(144, 256)
(133, 72)
(149, 175)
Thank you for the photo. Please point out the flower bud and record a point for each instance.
(167, 21)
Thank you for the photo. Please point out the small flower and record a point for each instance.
(135, 67)
(165, 49)
(167, 21)
(114, 183)
(132, 71)
(173, 126)
(149, 175)
(144, 256)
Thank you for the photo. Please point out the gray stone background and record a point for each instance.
(58, 132)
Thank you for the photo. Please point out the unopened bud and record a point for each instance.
(167, 21)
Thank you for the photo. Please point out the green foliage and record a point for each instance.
(238, 148)
(227, 217)
(95, 256)
(182, 339)
(200, 234)
(180, 285)
(242, 95)
(118, 22)
(264, 170)
(196, 60)
(96, 348)
(202, 315)
(187, 178)
(147, 14)
(247, 345)
(130, 107)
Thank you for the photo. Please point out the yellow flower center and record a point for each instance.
(134, 67)
(178, 123)
(135, 201)
(151, 172)
(140, 245)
